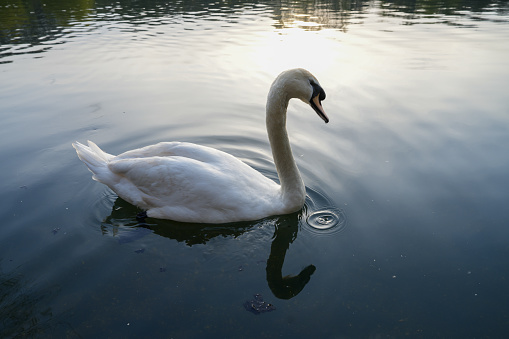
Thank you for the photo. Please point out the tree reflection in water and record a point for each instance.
(122, 223)
(33, 23)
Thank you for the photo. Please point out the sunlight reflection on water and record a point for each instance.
(412, 166)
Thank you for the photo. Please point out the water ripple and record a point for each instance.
(322, 217)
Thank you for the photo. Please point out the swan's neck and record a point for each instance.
(292, 187)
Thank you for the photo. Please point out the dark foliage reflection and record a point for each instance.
(30, 23)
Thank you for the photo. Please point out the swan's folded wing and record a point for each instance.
(179, 149)
(158, 181)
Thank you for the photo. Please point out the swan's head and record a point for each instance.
(301, 84)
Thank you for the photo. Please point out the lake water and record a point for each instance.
(414, 162)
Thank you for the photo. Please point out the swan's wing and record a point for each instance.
(180, 187)
(160, 180)
(179, 149)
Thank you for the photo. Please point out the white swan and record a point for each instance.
(192, 183)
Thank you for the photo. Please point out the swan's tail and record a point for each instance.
(95, 158)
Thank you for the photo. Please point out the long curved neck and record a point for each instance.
(292, 186)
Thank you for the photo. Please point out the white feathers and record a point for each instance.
(192, 183)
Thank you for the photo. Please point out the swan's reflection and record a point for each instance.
(289, 286)
(286, 228)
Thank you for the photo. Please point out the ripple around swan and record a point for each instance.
(322, 217)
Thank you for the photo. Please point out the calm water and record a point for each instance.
(415, 163)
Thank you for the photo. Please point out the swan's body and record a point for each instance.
(192, 183)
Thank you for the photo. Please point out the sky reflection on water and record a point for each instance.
(415, 158)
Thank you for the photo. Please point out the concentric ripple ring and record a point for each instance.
(327, 221)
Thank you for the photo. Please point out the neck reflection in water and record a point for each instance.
(289, 286)
(123, 225)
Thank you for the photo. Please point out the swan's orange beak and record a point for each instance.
(317, 106)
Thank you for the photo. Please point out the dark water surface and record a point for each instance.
(414, 164)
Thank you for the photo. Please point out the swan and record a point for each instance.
(192, 183)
